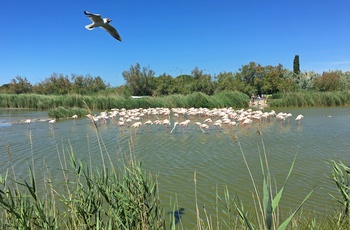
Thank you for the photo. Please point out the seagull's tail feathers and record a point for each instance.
(89, 27)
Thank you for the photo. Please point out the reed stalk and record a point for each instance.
(341, 178)
(267, 204)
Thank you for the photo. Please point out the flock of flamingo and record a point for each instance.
(181, 118)
(205, 119)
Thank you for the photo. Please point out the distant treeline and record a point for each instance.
(57, 84)
(249, 79)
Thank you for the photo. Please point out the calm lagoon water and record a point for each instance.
(215, 157)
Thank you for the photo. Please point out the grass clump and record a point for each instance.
(62, 112)
(310, 98)
(341, 178)
(233, 99)
(267, 214)
(88, 199)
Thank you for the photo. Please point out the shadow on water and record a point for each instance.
(176, 216)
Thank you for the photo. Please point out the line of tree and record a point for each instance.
(250, 79)
(57, 84)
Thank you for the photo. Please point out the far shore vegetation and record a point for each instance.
(280, 86)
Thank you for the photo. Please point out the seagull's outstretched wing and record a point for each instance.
(112, 31)
(96, 18)
(98, 21)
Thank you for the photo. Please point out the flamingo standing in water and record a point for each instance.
(246, 122)
(205, 126)
(298, 119)
(148, 123)
(166, 123)
(28, 121)
(185, 124)
(218, 125)
(136, 125)
(52, 121)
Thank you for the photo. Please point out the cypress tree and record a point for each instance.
(296, 65)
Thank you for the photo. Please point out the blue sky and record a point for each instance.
(42, 37)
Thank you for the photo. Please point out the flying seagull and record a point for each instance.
(98, 21)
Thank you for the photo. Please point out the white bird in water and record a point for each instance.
(52, 121)
(136, 124)
(98, 21)
(299, 117)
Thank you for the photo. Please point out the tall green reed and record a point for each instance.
(267, 214)
(341, 177)
(312, 98)
(62, 112)
(96, 102)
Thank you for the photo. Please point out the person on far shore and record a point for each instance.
(258, 99)
(252, 98)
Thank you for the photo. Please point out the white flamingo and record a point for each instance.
(148, 123)
(217, 125)
(208, 120)
(136, 124)
(185, 124)
(52, 121)
(28, 121)
(205, 126)
(298, 118)
(166, 123)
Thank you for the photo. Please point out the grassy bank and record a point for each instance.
(218, 100)
(307, 98)
(62, 112)
(65, 106)
(34, 101)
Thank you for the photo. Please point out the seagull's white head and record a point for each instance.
(107, 20)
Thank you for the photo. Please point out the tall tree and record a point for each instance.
(20, 85)
(140, 82)
(164, 85)
(202, 82)
(183, 84)
(296, 64)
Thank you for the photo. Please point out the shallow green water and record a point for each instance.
(215, 156)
